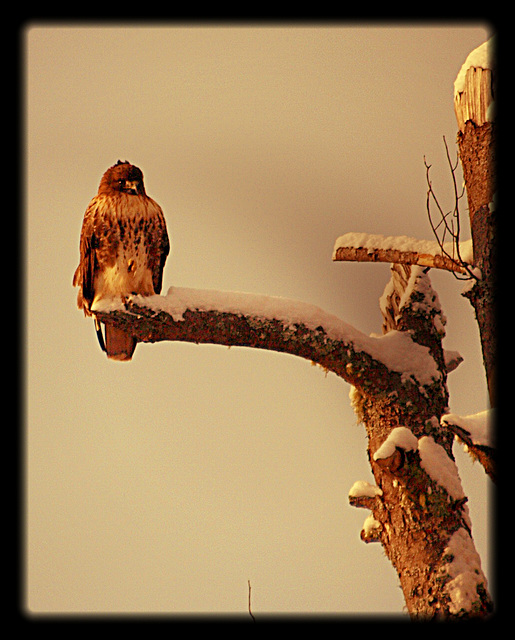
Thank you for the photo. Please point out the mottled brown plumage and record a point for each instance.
(123, 249)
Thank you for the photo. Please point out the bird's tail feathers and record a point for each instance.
(118, 345)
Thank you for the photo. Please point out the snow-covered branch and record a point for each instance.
(377, 364)
(365, 247)
(475, 432)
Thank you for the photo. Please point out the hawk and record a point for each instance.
(123, 249)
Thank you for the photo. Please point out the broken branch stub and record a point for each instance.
(363, 254)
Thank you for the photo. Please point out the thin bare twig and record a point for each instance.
(250, 608)
(453, 228)
(457, 198)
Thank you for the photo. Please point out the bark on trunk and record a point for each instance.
(417, 517)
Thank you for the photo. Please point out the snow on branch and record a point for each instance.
(376, 364)
(475, 432)
(364, 247)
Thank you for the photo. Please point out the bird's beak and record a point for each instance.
(131, 186)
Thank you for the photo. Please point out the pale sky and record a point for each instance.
(163, 485)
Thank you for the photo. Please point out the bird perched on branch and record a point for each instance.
(123, 249)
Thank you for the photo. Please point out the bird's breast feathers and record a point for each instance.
(130, 233)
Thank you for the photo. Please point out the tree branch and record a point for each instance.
(483, 453)
(474, 432)
(375, 364)
(361, 247)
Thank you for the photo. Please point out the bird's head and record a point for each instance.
(123, 177)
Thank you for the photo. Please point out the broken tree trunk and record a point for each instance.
(473, 105)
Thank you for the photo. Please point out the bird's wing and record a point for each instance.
(160, 246)
(84, 276)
